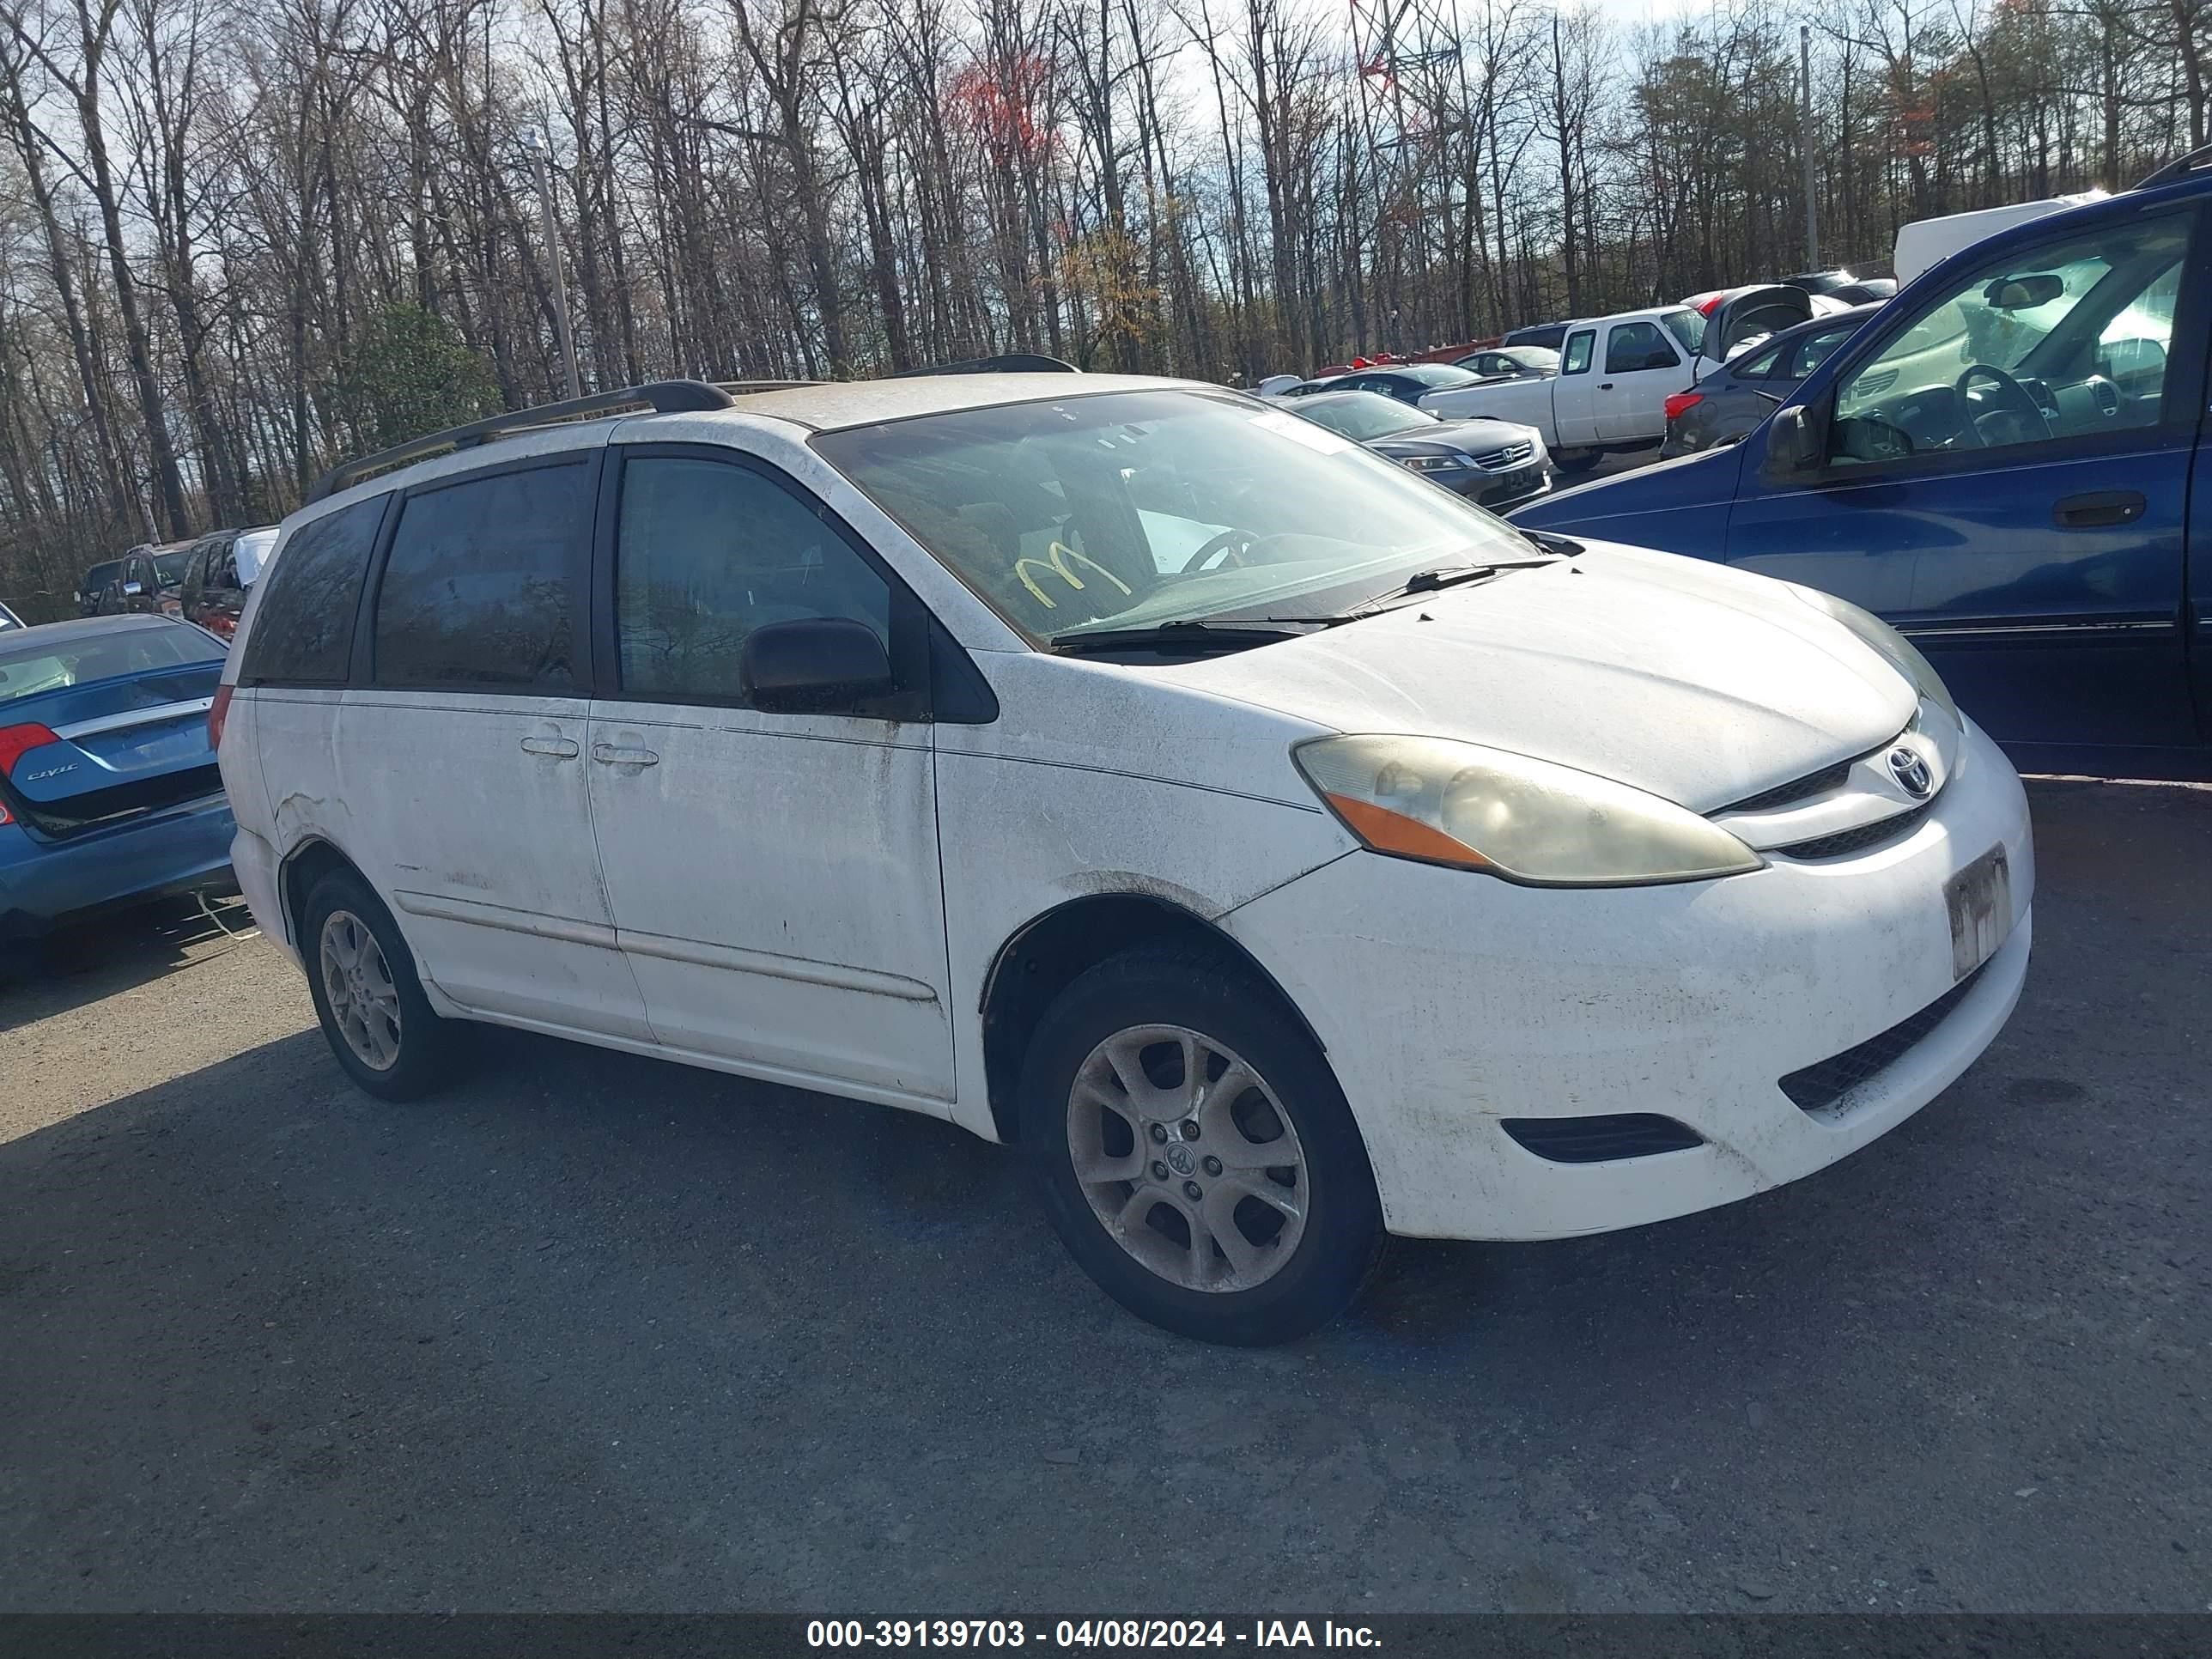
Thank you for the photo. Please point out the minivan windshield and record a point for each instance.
(1133, 509)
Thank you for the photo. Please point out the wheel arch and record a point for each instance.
(1042, 956)
(306, 864)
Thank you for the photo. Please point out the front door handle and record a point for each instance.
(2099, 507)
(1605, 385)
(559, 748)
(608, 754)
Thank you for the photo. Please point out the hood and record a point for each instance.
(1694, 681)
(1472, 436)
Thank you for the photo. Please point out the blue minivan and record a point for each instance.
(2008, 462)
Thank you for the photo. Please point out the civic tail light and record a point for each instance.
(17, 741)
(218, 712)
(1682, 403)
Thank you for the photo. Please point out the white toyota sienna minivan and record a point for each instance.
(1280, 851)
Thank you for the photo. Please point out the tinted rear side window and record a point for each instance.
(303, 633)
(481, 586)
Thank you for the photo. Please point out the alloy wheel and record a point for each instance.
(1187, 1158)
(357, 984)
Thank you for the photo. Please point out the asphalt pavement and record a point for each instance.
(597, 1332)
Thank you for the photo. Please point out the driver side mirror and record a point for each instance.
(824, 663)
(132, 590)
(1794, 441)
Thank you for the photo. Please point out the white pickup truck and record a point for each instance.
(1616, 374)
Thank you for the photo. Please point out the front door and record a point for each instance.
(773, 875)
(1642, 371)
(469, 805)
(2006, 480)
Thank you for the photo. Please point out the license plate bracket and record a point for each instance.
(1978, 901)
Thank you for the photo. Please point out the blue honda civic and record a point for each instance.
(109, 793)
(2009, 463)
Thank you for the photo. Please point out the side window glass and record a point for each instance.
(226, 568)
(303, 631)
(1634, 346)
(1813, 351)
(706, 551)
(1756, 366)
(2035, 346)
(1577, 358)
(480, 585)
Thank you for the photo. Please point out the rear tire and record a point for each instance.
(368, 997)
(1227, 1195)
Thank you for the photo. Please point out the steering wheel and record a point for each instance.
(2016, 399)
(1230, 546)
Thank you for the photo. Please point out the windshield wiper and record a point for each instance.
(1223, 634)
(1551, 543)
(1454, 575)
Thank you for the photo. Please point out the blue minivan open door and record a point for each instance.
(2001, 464)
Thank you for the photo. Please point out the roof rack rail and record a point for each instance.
(740, 388)
(1012, 362)
(661, 397)
(2177, 169)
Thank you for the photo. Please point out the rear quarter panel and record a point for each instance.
(1527, 402)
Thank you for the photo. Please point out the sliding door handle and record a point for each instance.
(608, 754)
(559, 748)
(2099, 507)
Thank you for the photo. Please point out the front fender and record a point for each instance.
(1679, 506)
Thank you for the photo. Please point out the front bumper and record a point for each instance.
(42, 882)
(1449, 1002)
(1497, 490)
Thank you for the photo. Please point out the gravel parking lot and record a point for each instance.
(596, 1332)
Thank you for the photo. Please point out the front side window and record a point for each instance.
(1579, 348)
(705, 552)
(1138, 508)
(2063, 341)
(1634, 346)
(303, 632)
(480, 585)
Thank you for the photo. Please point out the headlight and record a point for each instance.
(1434, 463)
(1902, 654)
(1528, 820)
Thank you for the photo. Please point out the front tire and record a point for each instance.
(1573, 463)
(367, 995)
(1195, 1153)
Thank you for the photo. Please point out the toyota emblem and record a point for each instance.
(1911, 773)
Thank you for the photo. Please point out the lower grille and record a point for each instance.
(1844, 841)
(1601, 1140)
(1819, 1087)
